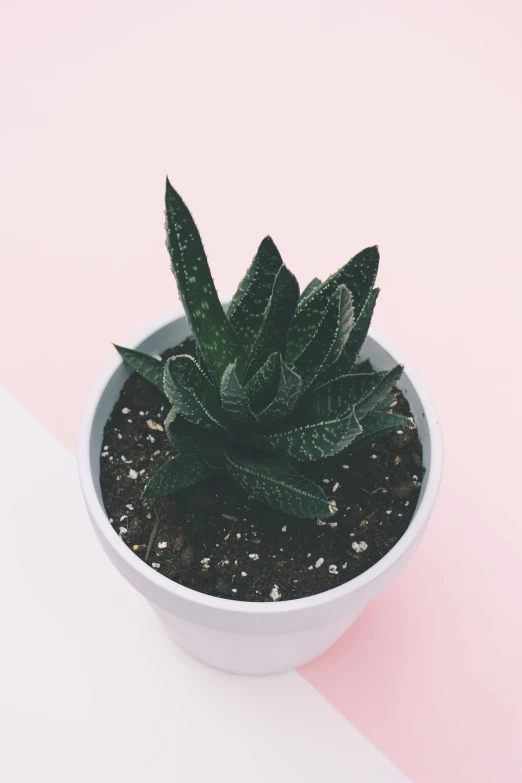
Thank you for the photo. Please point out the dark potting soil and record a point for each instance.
(215, 539)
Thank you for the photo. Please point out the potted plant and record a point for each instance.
(260, 470)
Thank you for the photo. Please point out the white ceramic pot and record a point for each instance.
(239, 636)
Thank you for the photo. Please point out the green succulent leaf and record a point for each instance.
(335, 397)
(330, 339)
(313, 441)
(147, 366)
(379, 392)
(358, 275)
(287, 394)
(387, 402)
(177, 473)
(360, 330)
(262, 386)
(192, 393)
(200, 445)
(312, 285)
(274, 327)
(377, 423)
(274, 481)
(234, 397)
(251, 298)
(212, 330)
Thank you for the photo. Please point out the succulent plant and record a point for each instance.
(273, 382)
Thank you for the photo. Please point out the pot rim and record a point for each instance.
(167, 586)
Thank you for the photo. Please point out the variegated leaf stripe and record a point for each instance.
(377, 423)
(234, 397)
(211, 328)
(381, 389)
(251, 298)
(360, 330)
(277, 483)
(286, 396)
(313, 441)
(329, 341)
(177, 473)
(273, 331)
(334, 398)
(191, 392)
(262, 387)
(201, 445)
(312, 285)
(147, 366)
(358, 275)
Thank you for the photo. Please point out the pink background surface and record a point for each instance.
(330, 125)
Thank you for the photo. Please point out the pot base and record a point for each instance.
(254, 654)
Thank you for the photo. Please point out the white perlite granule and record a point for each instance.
(360, 546)
(254, 557)
(125, 410)
(333, 569)
(162, 545)
(319, 562)
(133, 474)
(155, 565)
(274, 593)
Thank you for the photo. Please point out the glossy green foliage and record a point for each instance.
(273, 381)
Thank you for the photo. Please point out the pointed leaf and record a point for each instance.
(287, 394)
(274, 481)
(263, 385)
(377, 423)
(312, 285)
(330, 339)
(213, 332)
(199, 444)
(177, 473)
(358, 275)
(279, 310)
(191, 392)
(251, 298)
(360, 330)
(234, 397)
(313, 441)
(147, 366)
(386, 403)
(379, 391)
(335, 397)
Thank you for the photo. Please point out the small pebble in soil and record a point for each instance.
(274, 593)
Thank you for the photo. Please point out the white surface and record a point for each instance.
(240, 636)
(91, 687)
